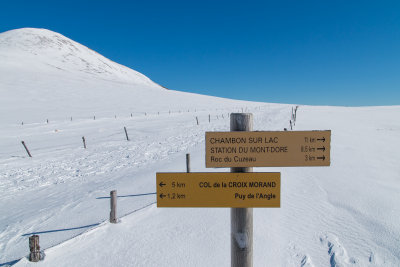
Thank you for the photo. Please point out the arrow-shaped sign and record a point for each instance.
(162, 195)
(161, 184)
(321, 148)
(323, 157)
(321, 139)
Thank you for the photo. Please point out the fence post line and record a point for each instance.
(113, 205)
(187, 162)
(241, 218)
(84, 142)
(34, 248)
(126, 133)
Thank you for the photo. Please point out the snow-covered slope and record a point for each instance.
(343, 215)
(46, 52)
(44, 75)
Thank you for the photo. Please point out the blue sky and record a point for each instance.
(305, 52)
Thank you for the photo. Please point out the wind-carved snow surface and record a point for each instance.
(343, 215)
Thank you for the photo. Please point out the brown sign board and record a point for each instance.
(219, 189)
(268, 149)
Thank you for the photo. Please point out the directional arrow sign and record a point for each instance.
(268, 149)
(239, 190)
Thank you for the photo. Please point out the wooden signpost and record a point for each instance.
(268, 149)
(241, 149)
(218, 189)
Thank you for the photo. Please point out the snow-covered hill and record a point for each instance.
(343, 215)
(44, 75)
(47, 52)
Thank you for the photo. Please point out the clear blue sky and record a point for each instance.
(306, 52)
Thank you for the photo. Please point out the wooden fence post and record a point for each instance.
(188, 162)
(84, 142)
(113, 205)
(126, 133)
(209, 118)
(27, 150)
(34, 248)
(292, 113)
(241, 218)
(291, 128)
(197, 119)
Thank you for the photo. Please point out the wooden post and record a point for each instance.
(113, 205)
(22, 123)
(94, 118)
(188, 162)
(197, 119)
(131, 115)
(241, 218)
(34, 248)
(126, 133)
(209, 118)
(291, 128)
(27, 150)
(84, 142)
(292, 113)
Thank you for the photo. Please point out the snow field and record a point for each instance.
(63, 180)
(343, 215)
